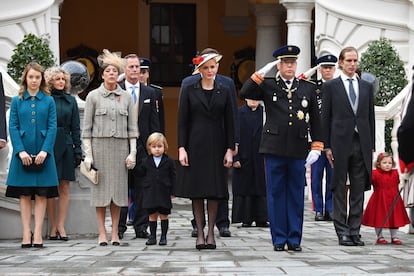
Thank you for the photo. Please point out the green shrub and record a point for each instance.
(382, 60)
(32, 48)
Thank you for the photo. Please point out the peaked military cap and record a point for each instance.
(145, 63)
(287, 51)
(327, 60)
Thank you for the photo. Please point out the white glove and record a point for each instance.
(265, 69)
(87, 149)
(401, 184)
(131, 159)
(312, 157)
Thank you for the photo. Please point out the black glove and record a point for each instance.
(77, 159)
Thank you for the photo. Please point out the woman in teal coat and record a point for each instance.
(32, 128)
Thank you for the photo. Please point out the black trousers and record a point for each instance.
(140, 222)
(349, 223)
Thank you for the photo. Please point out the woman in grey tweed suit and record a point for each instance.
(109, 142)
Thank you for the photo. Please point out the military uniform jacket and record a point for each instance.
(289, 116)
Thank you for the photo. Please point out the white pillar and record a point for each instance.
(268, 32)
(54, 23)
(299, 20)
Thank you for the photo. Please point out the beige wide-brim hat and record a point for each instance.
(203, 59)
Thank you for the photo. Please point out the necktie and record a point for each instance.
(134, 95)
(352, 94)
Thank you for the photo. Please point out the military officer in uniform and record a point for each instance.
(144, 76)
(326, 69)
(291, 112)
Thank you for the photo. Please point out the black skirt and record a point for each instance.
(16, 192)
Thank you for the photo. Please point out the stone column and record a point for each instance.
(299, 20)
(54, 29)
(268, 32)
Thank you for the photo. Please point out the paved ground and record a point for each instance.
(248, 252)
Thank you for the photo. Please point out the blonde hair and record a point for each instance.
(155, 138)
(382, 156)
(107, 58)
(52, 72)
(23, 82)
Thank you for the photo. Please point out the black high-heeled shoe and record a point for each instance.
(28, 245)
(54, 238)
(210, 245)
(200, 246)
(60, 237)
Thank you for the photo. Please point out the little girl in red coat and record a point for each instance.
(385, 180)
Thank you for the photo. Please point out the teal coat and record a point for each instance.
(32, 128)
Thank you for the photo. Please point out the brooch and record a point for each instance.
(300, 115)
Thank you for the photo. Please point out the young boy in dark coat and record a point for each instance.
(158, 184)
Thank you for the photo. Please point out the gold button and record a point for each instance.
(33, 113)
(290, 101)
(290, 115)
(290, 123)
(33, 98)
(33, 105)
(290, 108)
(33, 121)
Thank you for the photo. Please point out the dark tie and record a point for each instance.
(352, 94)
(287, 82)
(134, 95)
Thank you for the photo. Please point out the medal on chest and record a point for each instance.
(289, 91)
(304, 102)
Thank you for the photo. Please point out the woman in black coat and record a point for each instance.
(206, 143)
(249, 186)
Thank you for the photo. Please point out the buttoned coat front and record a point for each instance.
(110, 122)
(32, 128)
(158, 182)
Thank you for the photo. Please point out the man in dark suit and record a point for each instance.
(349, 124)
(144, 77)
(322, 167)
(222, 219)
(148, 123)
(291, 111)
(3, 132)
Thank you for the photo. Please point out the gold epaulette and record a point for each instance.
(310, 81)
(317, 145)
(156, 86)
(257, 78)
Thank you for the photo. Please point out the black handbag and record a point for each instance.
(34, 167)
